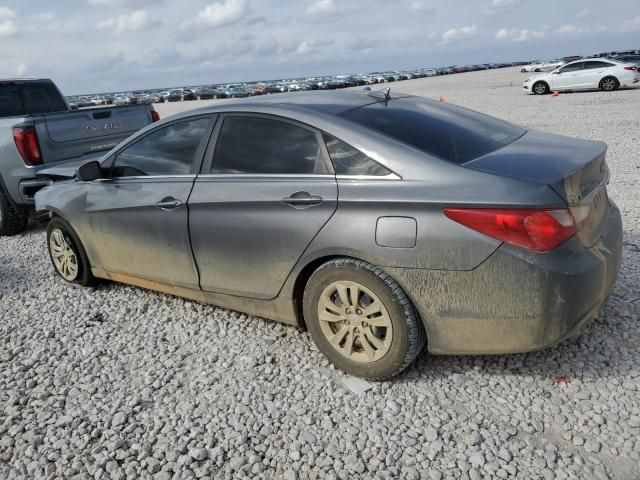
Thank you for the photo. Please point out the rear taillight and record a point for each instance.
(631, 68)
(540, 230)
(155, 116)
(26, 140)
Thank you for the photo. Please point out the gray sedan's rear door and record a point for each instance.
(262, 198)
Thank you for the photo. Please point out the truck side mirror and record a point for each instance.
(89, 171)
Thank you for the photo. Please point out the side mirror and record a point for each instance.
(89, 171)
(556, 72)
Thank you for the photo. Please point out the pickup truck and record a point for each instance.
(39, 130)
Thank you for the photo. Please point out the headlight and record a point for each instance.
(527, 80)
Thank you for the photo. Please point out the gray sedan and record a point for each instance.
(378, 221)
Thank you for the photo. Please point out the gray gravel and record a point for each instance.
(118, 382)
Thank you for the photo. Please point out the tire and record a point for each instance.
(540, 88)
(60, 234)
(609, 84)
(537, 70)
(13, 218)
(374, 352)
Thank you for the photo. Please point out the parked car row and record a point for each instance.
(247, 89)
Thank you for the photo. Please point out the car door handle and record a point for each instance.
(168, 203)
(302, 200)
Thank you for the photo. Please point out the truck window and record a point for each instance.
(29, 98)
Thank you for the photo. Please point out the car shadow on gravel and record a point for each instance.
(602, 350)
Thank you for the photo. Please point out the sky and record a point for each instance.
(90, 46)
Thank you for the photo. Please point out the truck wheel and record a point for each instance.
(13, 218)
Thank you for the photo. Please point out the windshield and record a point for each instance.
(439, 129)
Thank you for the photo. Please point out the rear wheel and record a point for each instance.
(67, 253)
(13, 218)
(361, 319)
(609, 84)
(540, 88)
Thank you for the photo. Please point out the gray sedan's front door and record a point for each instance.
(267, 194)
(140, 228)
(139, 216)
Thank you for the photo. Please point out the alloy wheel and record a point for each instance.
(540, 88)
(608, 84)
(63, 255)
(355, 322)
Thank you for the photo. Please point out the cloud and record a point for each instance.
(132, 22)
(7, 25)
(570, 29)
(632, 25)
(420, 6)
(582, 13)
(122, 3)
(518, 35)
(455, 34)
(504, 3)
(14, 70)
(323, 8)
(500, 7)
(311, 46)
(220, 14)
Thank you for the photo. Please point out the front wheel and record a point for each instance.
(361, 319)
(609, 84)
(540, 88)
(67, 253)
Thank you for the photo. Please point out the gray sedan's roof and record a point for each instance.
(326, 101)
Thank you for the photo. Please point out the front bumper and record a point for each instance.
(516, 301)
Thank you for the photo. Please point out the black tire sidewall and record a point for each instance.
(617, 84)
(546, 89)
(84, 271)
(14, 219)
(395, 358)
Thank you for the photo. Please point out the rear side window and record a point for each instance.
(30, 98)
(443, 130)
(258, 145)
(167, 151)
(597, 64)
(348, 160)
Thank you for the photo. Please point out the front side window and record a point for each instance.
(258, 145)
(574, 67)
(348, 160)
(167, 151)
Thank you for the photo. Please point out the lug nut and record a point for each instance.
(359, 312)
(347, 311)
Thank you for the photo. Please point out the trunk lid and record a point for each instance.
(76, 133)
(575, 169)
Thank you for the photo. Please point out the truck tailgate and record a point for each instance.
(72, 134)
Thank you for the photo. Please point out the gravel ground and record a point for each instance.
(118, 382)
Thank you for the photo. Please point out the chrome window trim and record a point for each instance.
(268, 176)
(146, 177)
(390, 176)
(285, 176)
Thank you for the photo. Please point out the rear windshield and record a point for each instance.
(29, 98)
(439, 129)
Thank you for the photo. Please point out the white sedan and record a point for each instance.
(542, 66)
(585, 74)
